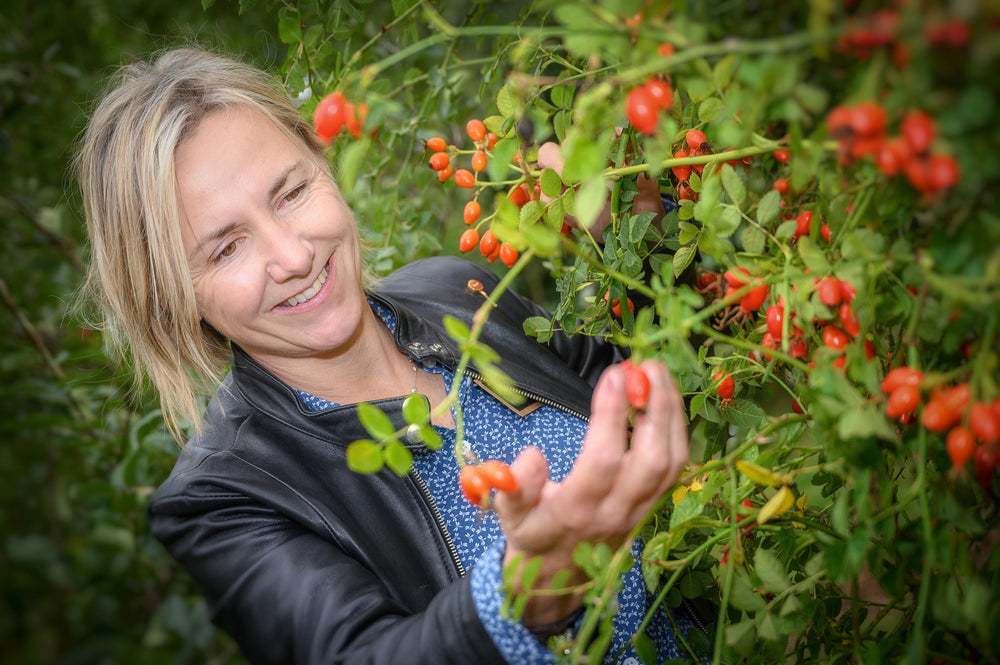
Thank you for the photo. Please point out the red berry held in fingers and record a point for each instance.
(636, 385)
(498, 475)
(474, 484)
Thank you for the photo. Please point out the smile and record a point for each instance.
(306, 295)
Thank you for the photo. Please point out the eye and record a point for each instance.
(228, 250)
(294, 194)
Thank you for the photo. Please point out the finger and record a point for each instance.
(604, 446)
(550, 156)
(659, 447)
(531, 472)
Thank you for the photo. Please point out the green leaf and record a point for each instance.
(551, 183)
(398, 457)
(754, 240)
(709, 110)
(590, 200)
(813, 256)
(864, 421)
(429, 437)
(375, 421)
(364, 456)
(771, 572)
(416, 409)
(645, 648)
(290, 29)
(457, 329)
(734, 187)
(768, 207)
(683, 258)
(499, 164)
(688, 232)
(538, 326)
(689, 508)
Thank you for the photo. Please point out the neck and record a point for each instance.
(368, 369)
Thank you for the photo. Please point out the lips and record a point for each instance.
(310, 292)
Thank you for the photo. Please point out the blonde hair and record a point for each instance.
(138, 276)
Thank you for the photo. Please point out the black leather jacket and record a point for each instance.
(305, 561)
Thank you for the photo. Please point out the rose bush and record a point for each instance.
(830, 216)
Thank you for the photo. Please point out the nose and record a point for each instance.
(289, 254)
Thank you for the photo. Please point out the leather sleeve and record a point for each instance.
(288, 596)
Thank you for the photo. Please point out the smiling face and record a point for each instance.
(273, 249)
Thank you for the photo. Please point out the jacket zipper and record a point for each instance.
(538, 398)
(452, 550)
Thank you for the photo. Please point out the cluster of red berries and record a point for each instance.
(478, 481)
(334, 113)
(695, 145)
(973, 427)
(442, 163)
(861, 131)
(881, 29)
(644, 104)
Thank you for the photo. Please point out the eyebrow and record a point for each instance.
(223, 231)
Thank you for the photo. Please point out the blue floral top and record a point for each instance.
(494, 431)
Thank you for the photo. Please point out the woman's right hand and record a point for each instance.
(615, 482)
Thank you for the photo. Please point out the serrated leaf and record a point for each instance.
(687, 233)
(683, 258)
(364, 456)
(688, 509)
(813, 256)
(551, 183)
(768, 207)
(375, 421)
(770, 571)
(777, 505)
(734, 187)
(709, 110)
(754, 240)
(398, 457)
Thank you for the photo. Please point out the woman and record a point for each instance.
(219, 238)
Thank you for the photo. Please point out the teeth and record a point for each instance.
(310, 292)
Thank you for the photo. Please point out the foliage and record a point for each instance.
(825, 528)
